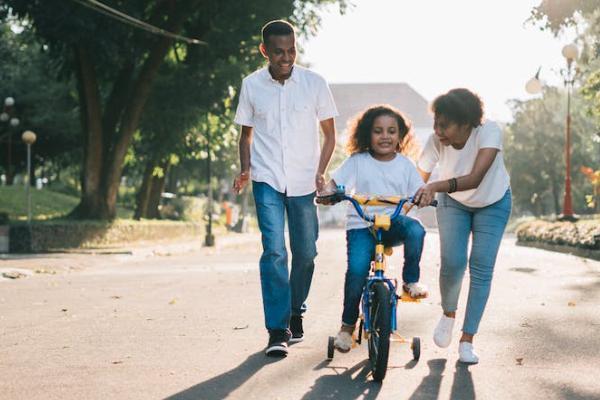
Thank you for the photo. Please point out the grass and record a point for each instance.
(45, 203)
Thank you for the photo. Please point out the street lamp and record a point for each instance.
(570, 53)
(534, 86)
(209, 239)
(7, 116)
(29, 139)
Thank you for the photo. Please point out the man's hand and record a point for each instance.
(320, 182)
(240, 182)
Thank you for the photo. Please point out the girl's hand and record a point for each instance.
(425, 195)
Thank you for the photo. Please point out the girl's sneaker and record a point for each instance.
(343, 340)
(415, 290)
(442, 335)
(466, 353)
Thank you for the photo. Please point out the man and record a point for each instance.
(280, 109)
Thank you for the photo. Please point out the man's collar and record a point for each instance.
(293, 77)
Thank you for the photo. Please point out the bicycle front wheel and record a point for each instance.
(380, 311)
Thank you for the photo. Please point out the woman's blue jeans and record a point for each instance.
(456, 223)
(361, 248)
(284, 294)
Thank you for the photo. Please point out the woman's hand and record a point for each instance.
(425, 195)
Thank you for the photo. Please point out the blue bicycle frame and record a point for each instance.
(378, 275)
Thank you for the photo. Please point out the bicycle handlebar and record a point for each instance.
(357, 200)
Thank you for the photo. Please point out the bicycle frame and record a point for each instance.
(380, 223)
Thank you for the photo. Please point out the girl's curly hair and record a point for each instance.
(360, 127)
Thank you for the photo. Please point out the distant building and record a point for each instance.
(352, 98)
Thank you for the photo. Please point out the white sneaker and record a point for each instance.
(343, 341)
(466, 353)
(442, 335)
(416, 290)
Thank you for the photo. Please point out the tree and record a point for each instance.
(43, 105)
(534, 153)
(116, 66)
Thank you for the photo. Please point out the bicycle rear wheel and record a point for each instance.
(380, 311)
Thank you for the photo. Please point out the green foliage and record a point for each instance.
(534, 153)
(43, 105)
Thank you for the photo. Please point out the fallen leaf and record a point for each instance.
(572, 304)
(45, 271)
(237, 328)
(173, 301)
(519, 361)
(117, 362)
(13, 275)
(64, 310)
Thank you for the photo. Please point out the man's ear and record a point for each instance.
(263, 50)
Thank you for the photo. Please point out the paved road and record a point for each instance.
(186, 323)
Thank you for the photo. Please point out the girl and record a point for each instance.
(378, 139)
(474, 200)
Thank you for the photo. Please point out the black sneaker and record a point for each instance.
(278, 343)
(296, 328)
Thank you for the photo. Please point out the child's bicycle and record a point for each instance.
(379, 298)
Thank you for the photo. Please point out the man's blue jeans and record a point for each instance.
(284, 294)
(361, 248)
(456, 223)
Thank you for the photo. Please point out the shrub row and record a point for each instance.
(56, 235)
(584, 234)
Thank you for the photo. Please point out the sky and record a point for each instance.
(436, 45)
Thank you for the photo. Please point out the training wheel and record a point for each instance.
(330, 348)
(416, 348)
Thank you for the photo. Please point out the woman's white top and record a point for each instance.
(454, 163)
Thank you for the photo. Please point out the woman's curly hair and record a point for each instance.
(360, 128)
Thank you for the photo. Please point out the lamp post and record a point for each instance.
(7, 115)
(570, 53)
(28, 138)
(209, 239)
(534, 86)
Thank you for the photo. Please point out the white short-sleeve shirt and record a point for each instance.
(459, 162)
(363, 174)
(285, 118)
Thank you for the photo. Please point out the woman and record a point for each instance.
(474, 199)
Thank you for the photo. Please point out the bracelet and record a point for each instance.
(452, 185)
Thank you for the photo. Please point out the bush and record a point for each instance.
(61, 234)
(583, 234)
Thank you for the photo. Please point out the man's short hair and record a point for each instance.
(276, 28)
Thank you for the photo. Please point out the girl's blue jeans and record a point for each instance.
(361, 249)
(456, 224)
(284, 293)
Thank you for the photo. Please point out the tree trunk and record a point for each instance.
(141, 210)
(556, 197)
(90, 205)
(132, 115)
(104, 151)
(158, 184)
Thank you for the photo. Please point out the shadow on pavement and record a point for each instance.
(429, 388)
(222, 385)
(344, 385)
(462, 386)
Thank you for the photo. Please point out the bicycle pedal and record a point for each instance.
(407, 298)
